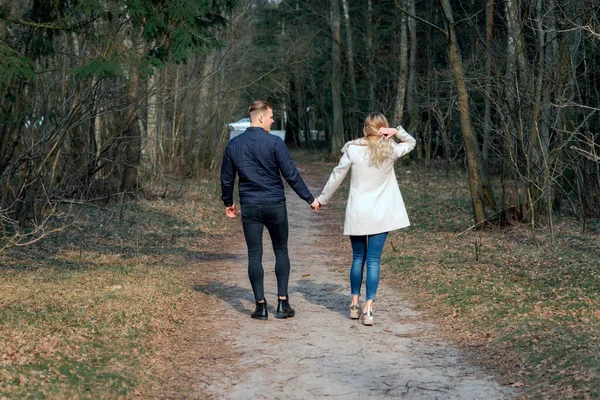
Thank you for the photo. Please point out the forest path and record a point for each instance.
(321, 351)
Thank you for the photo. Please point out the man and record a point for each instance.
(260, 159)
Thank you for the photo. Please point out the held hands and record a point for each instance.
(388, 132)
(230, 211)
(315, 205)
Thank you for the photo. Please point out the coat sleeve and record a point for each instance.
(227, 178)
(290, 172)
(406, 145)
(337, 176)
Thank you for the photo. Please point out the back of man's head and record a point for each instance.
(257, 108)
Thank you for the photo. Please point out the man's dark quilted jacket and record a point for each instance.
(258, 158)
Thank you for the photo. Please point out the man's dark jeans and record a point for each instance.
(274, 217)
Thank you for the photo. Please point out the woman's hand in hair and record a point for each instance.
(387, 132)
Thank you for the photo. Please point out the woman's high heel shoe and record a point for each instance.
(355, 311)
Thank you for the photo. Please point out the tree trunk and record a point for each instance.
(337, 129)
(551, 52)
(350, 54)
(403, 77)
(301, 113)
(206, 112)
(370, 56)
(351, 73)
(132, 138)
(174, 125)
(487, 123)
(132, 134)
(292, 126)
(152, 124)
(469, 138)
(411, 92)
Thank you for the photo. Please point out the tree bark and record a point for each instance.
(174, 125)
(515, 35)
(411, 92)
(337, 130)
(469, 138)
(403, 77)
(152, 123)
(350, 53)
(206, 112)
(487, 119)
(292, 126)
(351, 73)
(370, 56)
(132, 135)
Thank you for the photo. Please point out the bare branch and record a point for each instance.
(399, 7)
(587, 154)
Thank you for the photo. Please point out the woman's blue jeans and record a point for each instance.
(366, 250)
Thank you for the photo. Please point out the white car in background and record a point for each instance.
(240, 125)
(237, 127)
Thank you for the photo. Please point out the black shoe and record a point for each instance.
(261, 311)
(283, 309)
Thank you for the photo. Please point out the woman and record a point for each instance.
(375, 206)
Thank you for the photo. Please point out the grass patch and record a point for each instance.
(532, 306)
(80, 310)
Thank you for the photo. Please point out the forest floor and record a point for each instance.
(151, 299)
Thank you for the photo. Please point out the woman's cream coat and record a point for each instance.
(375, 204)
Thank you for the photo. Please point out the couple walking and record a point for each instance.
(375, 206)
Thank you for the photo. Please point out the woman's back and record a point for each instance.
(375, 203)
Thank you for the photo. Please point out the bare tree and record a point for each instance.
(487, 124)
(469, 138)
(403, 73)
(370, 55)
(337, 129)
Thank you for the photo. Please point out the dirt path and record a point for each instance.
(321, 352)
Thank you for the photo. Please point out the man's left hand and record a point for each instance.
(230, 211)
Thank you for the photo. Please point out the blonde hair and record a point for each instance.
(379, 148)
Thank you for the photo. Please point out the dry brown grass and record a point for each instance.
(526, 306)
(99, 310)
(108, 308)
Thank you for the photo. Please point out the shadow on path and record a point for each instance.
(324, 294)
(232, 295)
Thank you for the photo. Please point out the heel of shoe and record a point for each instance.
(261, 312)
(354, 311)
(284, 314)
(367, 318)
(284, 310)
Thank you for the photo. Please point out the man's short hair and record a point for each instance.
(259, 106)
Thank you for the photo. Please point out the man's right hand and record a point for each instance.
(315, 205)
(230, 211)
